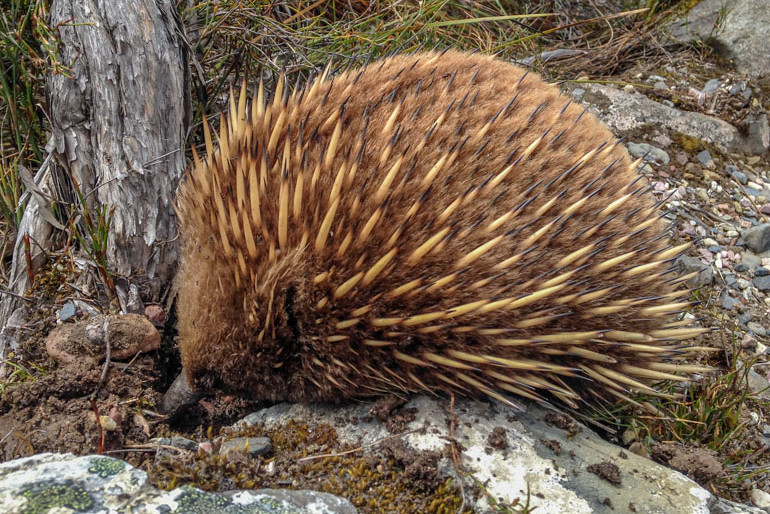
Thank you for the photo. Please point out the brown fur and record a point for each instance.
(274, 316)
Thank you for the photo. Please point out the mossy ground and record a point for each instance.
(312, 457)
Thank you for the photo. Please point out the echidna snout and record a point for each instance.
(441, 222)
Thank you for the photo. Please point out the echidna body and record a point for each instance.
(440, 222)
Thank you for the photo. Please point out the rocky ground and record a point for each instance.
(699, 121)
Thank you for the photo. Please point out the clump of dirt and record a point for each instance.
(606, 470)
(498, 439)
(700, 464)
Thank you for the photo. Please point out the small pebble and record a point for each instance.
(253, 446)
(649, 152)
(67, 311)
(704, 157)
(756, 328)
(762, 283)
(712, 85)
(728, 302)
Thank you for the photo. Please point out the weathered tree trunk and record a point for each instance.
(119, 121)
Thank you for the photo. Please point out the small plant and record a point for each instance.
(21, 373)
(92, 232)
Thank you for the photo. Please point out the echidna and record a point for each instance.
(439, 222)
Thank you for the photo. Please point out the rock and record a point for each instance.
(252, 446)
(741, 29)
(758, 129)
(728, 302)
(704, 157)
(699, 23)
(761, 271)
(744, 36)
(759, 385)
(733, 170)
(162, 446)
(687, 265)
(129, 334)
(712, 85)
(558, 481)
(67, 311)
(741, 267)
(762, 283)
(722, 506)
(757, 239)
(50, 482)
(178, 396)
(760, 499)
(756, 328)
(649, 152)
(750, 259)
(156, 314)
(625, 112)
(177, 442)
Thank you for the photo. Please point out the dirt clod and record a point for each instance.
(606, 470)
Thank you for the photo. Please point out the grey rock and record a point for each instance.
(178, 396)
(64, 483)
(728, 302)
(759, 129)
(704, 157)
(757, 239)
(687, 265)
(756, 328)
(750, 259)
(744, 36)
(762, 283)
(741, 267)
(752, 192)
(649, 152)
(625, 112)
(701, 22)
(723, 506)
(733, 170)
(558, 481)
(740, 27)
(759, 385)
(712, 85)
(739, 88)
(253, 446)
(177, 442)
(67, 311)
(761, 271)
(578, 93)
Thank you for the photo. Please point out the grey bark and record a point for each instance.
(119, 120)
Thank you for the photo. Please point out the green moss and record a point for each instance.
(373, 483)
(60, 496)
(106, 467)
(689, 144)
